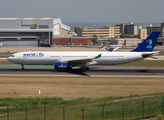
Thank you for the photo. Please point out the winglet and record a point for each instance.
(98, 56)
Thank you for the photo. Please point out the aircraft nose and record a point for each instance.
(9, 58)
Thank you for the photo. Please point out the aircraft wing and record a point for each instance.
(84, 60)
(145, 55)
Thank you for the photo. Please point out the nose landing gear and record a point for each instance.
(22, 67)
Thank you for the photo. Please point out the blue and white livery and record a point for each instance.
(66, 60)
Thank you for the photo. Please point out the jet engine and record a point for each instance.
(62, 66)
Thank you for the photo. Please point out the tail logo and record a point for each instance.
(150, 43)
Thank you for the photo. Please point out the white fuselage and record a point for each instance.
(49, 58)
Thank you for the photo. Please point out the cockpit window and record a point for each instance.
(12, 56)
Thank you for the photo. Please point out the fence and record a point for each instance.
(127, 110)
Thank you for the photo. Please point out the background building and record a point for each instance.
(162, 24)
(106, 32)
(117, 31)
(143, 34)
(120, 41)
(162, 30)
(59, 29)
(151, 29)
(132, 29)
(129, 41)
(31, 31)
(74, 41)
(122, 27)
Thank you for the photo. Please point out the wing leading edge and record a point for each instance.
(81, 60)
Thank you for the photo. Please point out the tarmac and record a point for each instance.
(53, 48)
(95, 71)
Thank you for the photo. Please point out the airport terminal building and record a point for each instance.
(30, 32)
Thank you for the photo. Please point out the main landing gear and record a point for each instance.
(84, 68)
(22, 67)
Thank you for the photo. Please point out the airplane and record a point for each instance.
(113, 47)
(66, 60)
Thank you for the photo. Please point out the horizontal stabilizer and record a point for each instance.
(145, 55)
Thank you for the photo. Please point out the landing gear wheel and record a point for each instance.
(22, 67)
(83, 69)
(87, 68)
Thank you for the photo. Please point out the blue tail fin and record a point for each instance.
(148, 44)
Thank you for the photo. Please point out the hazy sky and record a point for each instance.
(92, 11)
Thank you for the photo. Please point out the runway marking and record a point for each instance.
(24, 66)
(129, 76)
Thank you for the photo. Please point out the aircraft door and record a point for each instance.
(20, 56)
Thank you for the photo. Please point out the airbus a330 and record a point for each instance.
(66, 60)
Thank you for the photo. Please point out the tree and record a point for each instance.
(94, 41)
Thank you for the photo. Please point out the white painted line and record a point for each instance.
(148, 76)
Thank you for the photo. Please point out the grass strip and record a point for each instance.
(145, 63)
(77, 87)
(133, 109)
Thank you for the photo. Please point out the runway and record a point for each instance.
(95, 71)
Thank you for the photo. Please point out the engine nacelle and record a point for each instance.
(62, 66)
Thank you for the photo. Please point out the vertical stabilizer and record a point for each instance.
(148, 44)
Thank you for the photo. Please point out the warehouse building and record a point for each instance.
(30, 32)
(120, 41)
(75, 41)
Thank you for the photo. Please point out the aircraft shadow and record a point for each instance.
(41, 71)
(74, 71)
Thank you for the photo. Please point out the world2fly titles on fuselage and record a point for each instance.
(66, 60)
